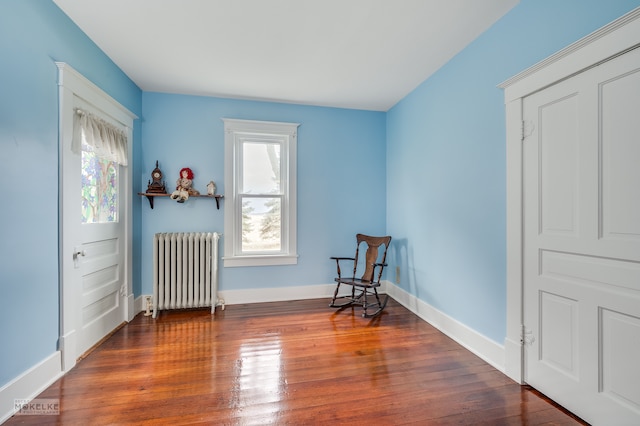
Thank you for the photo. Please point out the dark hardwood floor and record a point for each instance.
(298, 363)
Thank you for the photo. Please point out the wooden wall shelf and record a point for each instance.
(150, 196)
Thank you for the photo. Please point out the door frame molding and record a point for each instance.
(73, 86)
(604, 44)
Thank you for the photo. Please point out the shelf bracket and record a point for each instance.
(150, 198)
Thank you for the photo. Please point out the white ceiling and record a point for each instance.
(363, 54)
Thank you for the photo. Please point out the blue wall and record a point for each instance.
(446, 161)
(442, 171)
(34, 34)
(341, 173)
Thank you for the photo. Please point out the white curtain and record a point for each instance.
(105, 139)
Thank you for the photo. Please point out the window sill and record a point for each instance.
(260, 260)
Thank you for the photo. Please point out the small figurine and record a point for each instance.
(211, 188)
(183, 186)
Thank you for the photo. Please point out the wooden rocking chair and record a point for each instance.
(368, 284)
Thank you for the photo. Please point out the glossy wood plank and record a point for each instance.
(296, 363)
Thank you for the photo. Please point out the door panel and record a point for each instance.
(581, 242)
(558, 154)
(101, 282)
(620, 154)
(558, 333)
(620, 355)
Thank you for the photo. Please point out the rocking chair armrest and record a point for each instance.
(381, 265)
(338, 259)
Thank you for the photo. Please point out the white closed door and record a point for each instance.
(93, 238)
(582, 242)
(95, 215)
(101, 258)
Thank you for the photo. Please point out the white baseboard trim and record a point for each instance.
(278, 294)
(490, 351)
(139, 304)
(513, 357)
(29, 384)
(131, 311)
(67, 347)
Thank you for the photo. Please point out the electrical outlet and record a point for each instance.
(397, 275)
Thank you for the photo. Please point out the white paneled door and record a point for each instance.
(95, 292)
(94, 235)
(582, 241)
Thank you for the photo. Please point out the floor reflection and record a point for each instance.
(358, 342)
(260, 383)
(289, 363)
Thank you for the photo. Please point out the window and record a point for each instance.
(103, 147)
(260, 187)
(99, 187)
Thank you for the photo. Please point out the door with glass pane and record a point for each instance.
(95, 225)
(101, 254)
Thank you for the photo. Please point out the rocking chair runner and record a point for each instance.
(369, 282)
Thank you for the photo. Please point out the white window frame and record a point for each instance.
(236, 133)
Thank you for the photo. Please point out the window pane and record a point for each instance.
(261, 224)
(99, 188)
(261, 168)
